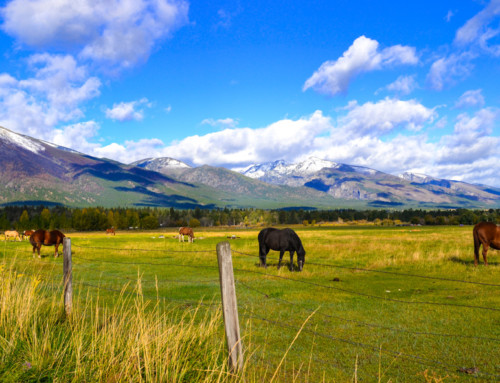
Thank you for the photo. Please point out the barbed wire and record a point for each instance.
(365, 323)
(147, 263)
(369, 295)
(162, 280)
(384, 271)
(143, 250)
(148, 295)
(415, 358)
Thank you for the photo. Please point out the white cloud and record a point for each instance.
(363, 55)
(53, 95)
(223, 123)
(447, 70)
(127, 111)
(375, 119)
(283, 139)
(117, 32)
(449, 15)
(403, 85)
(131, 151)
(471, 98)
(478, 31)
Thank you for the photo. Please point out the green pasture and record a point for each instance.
(338, 320)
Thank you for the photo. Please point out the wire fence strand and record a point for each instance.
(386, 272)
(361, 323)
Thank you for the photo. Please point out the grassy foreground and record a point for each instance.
(147, 309)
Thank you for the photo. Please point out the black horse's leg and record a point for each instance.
(281, 257)
(262, 256)
(291, 260)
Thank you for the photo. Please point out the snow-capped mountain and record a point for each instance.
(283, 173)
(362, 183)
(160, 164)
(281, 168)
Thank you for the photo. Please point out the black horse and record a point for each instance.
(281, 240)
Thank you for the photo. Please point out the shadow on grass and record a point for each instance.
(470, 262)
(275, 265)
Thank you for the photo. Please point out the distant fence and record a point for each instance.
(230, 306)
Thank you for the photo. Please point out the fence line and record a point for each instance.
(147, 295)
(365, 323)
(147, 263)
(369, 295)
(386, 272)
(415, 358)
(147, 280)
(144, 250)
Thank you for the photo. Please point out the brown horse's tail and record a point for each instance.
(477, 244)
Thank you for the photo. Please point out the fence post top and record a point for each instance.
(223, 244)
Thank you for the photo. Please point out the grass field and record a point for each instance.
(370, 317)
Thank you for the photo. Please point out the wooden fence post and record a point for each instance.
(229, 306)
(68, 276)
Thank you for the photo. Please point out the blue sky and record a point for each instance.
(395, 86)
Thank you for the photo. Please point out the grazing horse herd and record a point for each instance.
(485, 234)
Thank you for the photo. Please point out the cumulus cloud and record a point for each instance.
(375, 119)
(232, 147)
(363, 55)
(471, 98)
(117, 32)
(53, 95)
(127, 111)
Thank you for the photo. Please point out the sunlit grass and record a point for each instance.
(351, 336)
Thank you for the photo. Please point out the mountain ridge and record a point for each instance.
(35, 170)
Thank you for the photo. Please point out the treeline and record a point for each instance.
(94, 219)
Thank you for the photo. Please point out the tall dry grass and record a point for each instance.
(135, 340)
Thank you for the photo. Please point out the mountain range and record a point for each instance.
(33, 171)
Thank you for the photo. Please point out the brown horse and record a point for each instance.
(12, 234)
(488, 235)
(46, 238)
(186, 231)
(110, 231)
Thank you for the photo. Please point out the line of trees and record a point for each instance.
(98, 218)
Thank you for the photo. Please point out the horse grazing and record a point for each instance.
(488, 235)
(46, 238)
(281, 240)
(186, 231)
(110, 231)
(12, 234)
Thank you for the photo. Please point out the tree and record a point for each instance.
(45, 218)
(24, 221)
(150, 222)
(193, 222)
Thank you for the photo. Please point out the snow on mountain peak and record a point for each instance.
(282, 168)
(415, 177)
(20, 140)
(159, 163)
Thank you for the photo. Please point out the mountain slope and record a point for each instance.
(240, 189)
(34, 171)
